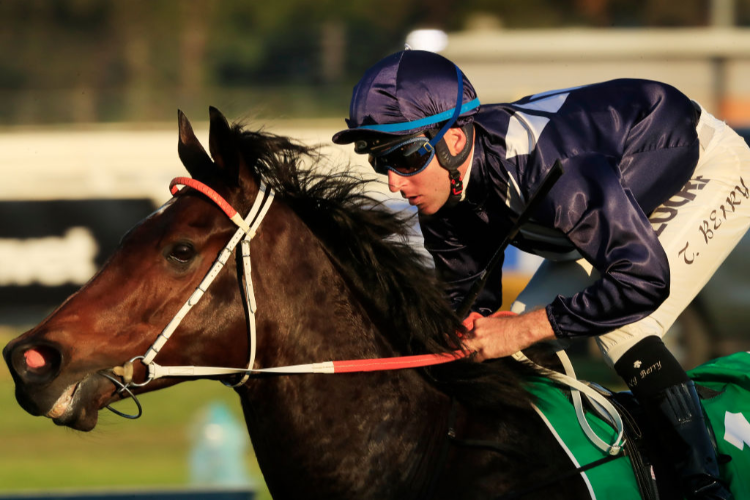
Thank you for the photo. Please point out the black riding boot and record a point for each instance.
(669, 399)
(678, 419)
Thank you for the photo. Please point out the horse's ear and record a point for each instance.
(222, 145)
(192, 154)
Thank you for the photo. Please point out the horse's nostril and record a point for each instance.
(34, 358)
(37, 363)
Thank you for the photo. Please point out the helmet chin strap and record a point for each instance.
(457, 188)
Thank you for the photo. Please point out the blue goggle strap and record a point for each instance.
(430, 146)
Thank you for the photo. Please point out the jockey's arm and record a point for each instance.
(604, 222)
(496, 337)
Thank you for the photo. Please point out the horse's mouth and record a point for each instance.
(64, 403)
(78, 405)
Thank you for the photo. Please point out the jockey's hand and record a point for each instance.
(500, 335)
(468, 322)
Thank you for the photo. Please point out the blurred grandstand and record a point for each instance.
(89, 91)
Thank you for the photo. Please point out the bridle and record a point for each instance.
(246, 229)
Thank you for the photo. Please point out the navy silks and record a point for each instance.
(626, 147)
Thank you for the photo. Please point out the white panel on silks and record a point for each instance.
(523, 132)
(524, 129)
(549, 104)
(564, 92)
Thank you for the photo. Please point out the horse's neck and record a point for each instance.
(345, 433)
(345, 436)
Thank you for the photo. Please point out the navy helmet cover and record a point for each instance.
(406, 93)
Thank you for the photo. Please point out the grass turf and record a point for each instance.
(151, 452)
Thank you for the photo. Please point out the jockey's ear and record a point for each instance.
(222, 146)
(192, 154)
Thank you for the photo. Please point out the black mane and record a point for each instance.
(369, 245)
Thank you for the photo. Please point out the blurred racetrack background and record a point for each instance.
(89, 91)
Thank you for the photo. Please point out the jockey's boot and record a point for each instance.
(678, 418)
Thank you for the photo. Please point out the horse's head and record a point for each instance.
(57, 365)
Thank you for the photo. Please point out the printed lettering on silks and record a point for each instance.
(642, 374)
(668, 210)
(713, 222)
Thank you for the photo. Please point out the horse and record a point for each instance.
(333, 277)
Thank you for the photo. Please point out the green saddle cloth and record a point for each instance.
(728, 415)
(611, 481)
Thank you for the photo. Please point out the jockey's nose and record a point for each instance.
(394, 181)
(33, 363)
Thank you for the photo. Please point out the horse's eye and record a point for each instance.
(182, 252)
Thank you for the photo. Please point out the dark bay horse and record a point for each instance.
(334, 279)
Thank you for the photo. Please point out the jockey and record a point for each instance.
(655, 194)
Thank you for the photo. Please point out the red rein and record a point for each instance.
(398, 363)
(383, 364)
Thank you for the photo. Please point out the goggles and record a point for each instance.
(412, 154)
(406, 158)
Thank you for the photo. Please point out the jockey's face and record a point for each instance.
(429, 189)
